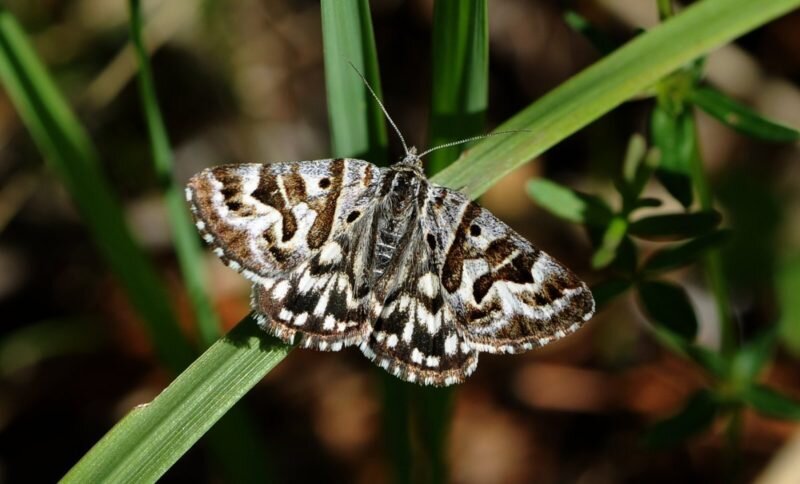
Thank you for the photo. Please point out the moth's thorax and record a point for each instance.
(401, 194)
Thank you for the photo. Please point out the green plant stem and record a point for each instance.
(187, 245)
(712, 261)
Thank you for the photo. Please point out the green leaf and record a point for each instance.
(613, 236)
(460, 82)
(648, 202)
(187, 244)
(597, 38)
(70, 154)
(675, 225)
(740, 117)
(668, 305)
(356, 121)
(695, 417)
(710, 360)
(684, 254)
(751, 358)
(788, 287)
(142, 446)
(569, 204)
(605, 291)
(627, 257)
(771, 403)
(634, 155)
(675, 137)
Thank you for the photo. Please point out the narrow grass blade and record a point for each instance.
(627, 71)
(357, 129)
(232, 369)
(187, 244)
(459, 96)
(69, 152)
(460, 84)
(152, 437)
(356, 121)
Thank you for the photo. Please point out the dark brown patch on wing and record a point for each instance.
(269, 193)
(367, 179)
(295, 185)
(498, 251)
(518, 271)
(326, 206)
(454, 262)
(231, 189)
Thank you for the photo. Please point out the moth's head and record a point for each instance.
(411, 158)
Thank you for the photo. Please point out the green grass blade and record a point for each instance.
(627, 71)
(460, 84)
(152, 437)
(358, 130)
(459, 95)
(356, 121)
(187, 244)
(68, 151)
(227, 370)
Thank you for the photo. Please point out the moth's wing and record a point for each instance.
(264, 220)
(507, 295)
(326, 299)
(415, 335)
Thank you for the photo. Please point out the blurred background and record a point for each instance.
(243, 81)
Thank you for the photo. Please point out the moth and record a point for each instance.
(419, 277)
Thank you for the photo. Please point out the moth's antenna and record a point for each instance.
(467, 140)
(386, 113)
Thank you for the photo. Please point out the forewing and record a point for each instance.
(507, 295)
(326, 299)
(264, 220)
(415, 335)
